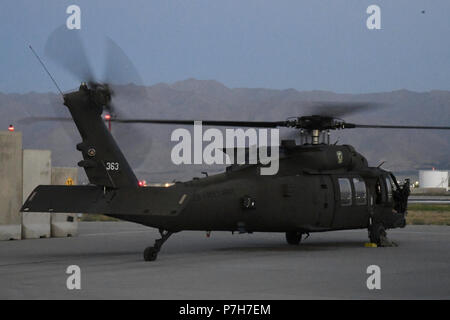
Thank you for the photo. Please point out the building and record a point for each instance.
(433, 179)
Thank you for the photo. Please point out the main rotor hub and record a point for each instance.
(315, 129)
(317, 122)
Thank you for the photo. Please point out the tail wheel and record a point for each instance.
(150, 254)
(293, 238)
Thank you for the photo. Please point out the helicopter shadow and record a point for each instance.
(77, 256)
(304, 247)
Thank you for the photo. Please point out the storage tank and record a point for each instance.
(433, 179)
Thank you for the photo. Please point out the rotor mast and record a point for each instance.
(315, 136)
(314, 129)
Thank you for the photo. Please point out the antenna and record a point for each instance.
(46, 70)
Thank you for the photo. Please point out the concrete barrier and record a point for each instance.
(10, 185)
(64, 224)
(36, 171)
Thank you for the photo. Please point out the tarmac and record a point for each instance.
(330, 265)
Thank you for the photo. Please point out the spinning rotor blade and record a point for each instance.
(118, 67)
(268, 124)
(66, 49)
(30, 120)
(120, 72)
(339, 109)
(251, 124)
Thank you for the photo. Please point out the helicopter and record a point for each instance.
(319, 186)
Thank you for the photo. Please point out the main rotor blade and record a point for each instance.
(66, 48)
(29, 120)
(374, 126)
(339, 109)
(254, 124)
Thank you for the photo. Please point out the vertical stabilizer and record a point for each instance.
(103, 161)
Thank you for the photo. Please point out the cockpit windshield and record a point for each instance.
(389, 186)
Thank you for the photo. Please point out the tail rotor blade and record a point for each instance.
(66, 49)
(119, 70)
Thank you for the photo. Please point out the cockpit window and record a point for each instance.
(360, 191)
(378, 193)
(345, 189)
(389, 188)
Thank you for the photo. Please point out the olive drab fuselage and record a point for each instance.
(301, 197)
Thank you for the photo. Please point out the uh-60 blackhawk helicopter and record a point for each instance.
(319, 187)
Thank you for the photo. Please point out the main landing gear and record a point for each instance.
(151, 253)
(378, 235)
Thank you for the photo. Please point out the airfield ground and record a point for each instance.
(225, 266)
(428, 214)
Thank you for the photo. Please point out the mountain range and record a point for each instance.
(148, 147)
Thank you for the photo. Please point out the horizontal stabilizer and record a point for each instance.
(65, 199)
(147, 201)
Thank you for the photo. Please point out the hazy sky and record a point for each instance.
(306, 45)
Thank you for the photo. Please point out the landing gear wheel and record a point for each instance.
(150, 254)
(293, 238)
(376, 233)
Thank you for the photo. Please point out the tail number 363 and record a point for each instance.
(112, 166)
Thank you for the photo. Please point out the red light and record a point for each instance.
(107, 117)
(11, 128)
(142, 183)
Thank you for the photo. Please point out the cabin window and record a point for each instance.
(360, 191)
(345, 189)
(389, 188)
